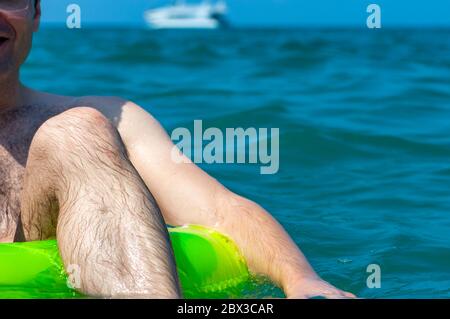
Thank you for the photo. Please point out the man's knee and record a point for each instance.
(77, 148)
(76, 131)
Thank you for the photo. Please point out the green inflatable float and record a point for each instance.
(209, 264)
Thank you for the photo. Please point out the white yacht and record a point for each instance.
(182, 15)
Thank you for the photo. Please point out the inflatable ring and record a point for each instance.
(208, 263)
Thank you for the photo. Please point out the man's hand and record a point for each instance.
(316, 287)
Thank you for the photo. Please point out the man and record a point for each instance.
(97, 173)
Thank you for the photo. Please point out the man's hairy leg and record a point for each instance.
(80, 186)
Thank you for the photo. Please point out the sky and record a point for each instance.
(266, 12)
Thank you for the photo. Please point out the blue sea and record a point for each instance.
(364, 119)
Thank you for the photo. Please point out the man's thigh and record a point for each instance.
(81, 187)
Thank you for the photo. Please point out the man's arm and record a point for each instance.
(188, 195)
